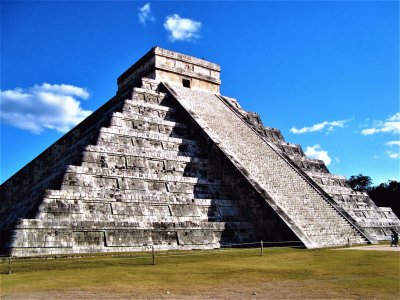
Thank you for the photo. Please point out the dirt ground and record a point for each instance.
(373, 247)
(308, 289)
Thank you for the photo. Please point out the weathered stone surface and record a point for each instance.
(142, 172)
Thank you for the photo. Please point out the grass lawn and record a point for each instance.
(280, 273)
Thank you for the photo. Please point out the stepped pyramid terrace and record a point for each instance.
(169, 162)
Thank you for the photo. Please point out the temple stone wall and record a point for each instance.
(169, 66)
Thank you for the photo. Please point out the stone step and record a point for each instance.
(112, 193)
(149, 96)
(120, 196)
(134, 120)
(142, 126)
(158, 170)
(85, 173)
(91, 184)
(160, 113)
(101, 217)
(121, 144)
(130, 105)
(149, 135)
(133, 211)
(172, 155)
(334, 189)
(118, 225)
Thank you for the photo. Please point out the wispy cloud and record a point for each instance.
(390, 152)
(393, 143)
(182, 29)
(326, 125)
(145, 15)
(391, 125)
(317, 152)
(51, 106)
(395, 117)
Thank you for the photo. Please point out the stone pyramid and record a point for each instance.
(169, 162)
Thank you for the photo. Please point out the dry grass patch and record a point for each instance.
(280, 273)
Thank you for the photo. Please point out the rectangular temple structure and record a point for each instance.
(168, 66)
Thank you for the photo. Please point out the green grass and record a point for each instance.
(311, 273)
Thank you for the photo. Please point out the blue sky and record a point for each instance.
(325, 73)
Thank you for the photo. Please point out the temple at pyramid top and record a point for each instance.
(169, 66)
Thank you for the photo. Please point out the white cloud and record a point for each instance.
(395, 117)
(182, 29)
(369, 131)
(393, 143)
(329, 126)
(51, 106)
(63, 89)
(145, 15)
(393, 154)
(317, 152)
(391, 124)
(390, 152)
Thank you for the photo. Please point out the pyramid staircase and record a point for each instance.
(306, 209)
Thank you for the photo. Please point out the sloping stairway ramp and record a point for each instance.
(304, 208)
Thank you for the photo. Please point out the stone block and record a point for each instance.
(185, 210)
(134, 162)
(177, 187)
(88, 239)
(126, 238)
(132, 184)
(195, 237)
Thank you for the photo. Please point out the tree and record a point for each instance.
(360, 183)
(387, 194)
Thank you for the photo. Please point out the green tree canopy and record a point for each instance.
(360, 182)
(387, 194)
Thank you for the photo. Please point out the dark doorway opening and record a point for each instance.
(186, 83)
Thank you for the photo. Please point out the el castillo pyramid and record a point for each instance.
(171, 163)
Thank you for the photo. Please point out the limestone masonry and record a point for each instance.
(169, 162)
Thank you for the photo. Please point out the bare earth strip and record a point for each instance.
(263, 290)
(373, 247)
